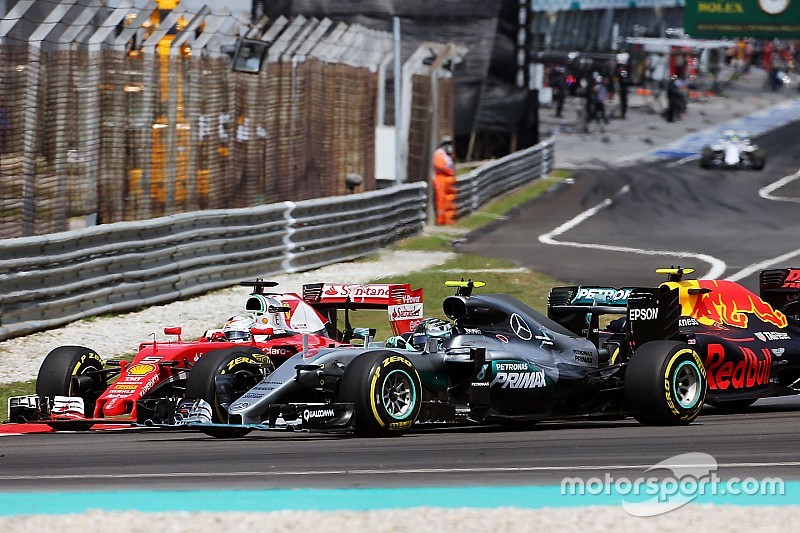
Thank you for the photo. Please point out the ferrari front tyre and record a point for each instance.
(665, 384)
(244, 367)
(59, 376)
(386, 392)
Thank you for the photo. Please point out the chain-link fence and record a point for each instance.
(138, 114)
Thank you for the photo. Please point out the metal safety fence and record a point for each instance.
(51, 280)
(503, 175)
(54, 279)
(124, 113)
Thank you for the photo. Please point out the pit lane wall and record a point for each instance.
(503, 175)
(54, 279)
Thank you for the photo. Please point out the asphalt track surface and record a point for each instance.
(759, 443)
(615, 226)
(670, 206)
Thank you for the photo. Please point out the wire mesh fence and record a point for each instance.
(124, 123)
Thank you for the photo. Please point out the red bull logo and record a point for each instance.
(725, 303)
(752, 370)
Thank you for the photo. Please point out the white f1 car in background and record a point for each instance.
(733, 150)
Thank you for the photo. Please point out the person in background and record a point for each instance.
(623, 83)
(444, 181)
(558, 83)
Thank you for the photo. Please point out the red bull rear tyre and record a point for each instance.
(665, 384)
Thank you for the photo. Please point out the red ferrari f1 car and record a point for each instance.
(76, 388)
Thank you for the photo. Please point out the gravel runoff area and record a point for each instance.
(697, 518)
(116, 335)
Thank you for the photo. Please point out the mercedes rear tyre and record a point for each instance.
(665, 384)
(386, 392)
(71, 371)
(244, 368)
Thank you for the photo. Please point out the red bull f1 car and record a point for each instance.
(499, 361)
(749, 344)
(76, 388)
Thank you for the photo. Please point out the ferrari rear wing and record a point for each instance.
(403, 304)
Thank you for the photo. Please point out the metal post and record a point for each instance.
(400, 176)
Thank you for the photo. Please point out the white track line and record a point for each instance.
(372, 472)
(766, 193)
(681, 161)
(717, 266)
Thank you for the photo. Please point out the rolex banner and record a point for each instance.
(765, 19)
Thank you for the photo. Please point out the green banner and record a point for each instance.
(765, 19)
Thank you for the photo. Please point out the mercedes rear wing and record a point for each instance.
(650, 313)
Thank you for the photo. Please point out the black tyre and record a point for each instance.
(665, 384)
(706, 157)
(386, 391)
(244, 364)
(57, 377)
(731, 405)
(759, 159)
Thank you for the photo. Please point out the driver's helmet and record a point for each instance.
(728, 135)
(431, 328)
(237, 328)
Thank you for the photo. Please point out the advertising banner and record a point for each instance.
(764, 19)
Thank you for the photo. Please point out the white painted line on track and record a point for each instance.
(681, 161)
(717, 266)
(766, 193)
(395, 471)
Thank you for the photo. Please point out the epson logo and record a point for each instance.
(643, 314)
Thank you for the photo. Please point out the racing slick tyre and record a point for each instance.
(665, 384)
(244, 365)
(759, 159)
(731, 405)
(706, 158)
(59, 376)
(386, 392)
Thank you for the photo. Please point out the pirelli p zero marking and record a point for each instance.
(385, 390)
